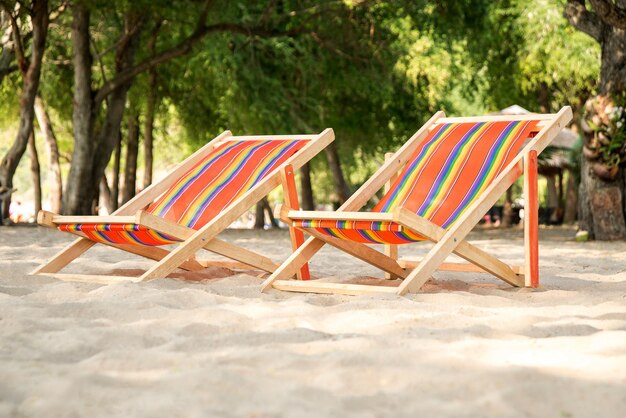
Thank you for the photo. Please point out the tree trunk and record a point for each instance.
(132, 147)
(52, 148)
(149, 130)
(35, 170)
(114, 194)
(552, 200)
(601, 202)
(31, 73)
(91, 158)
(507, 209)
(263, 207)
(148, 135)
(601, 210)
(571, 200)
(105, 195)
(259, 216)
(80, 191)
(341, 187)
(306, 190)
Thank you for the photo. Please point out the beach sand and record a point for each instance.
(468, 345)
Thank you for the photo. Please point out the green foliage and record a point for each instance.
(373, 71)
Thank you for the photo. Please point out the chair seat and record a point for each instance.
(366, 232)
(132, 234)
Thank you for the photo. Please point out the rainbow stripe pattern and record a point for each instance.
(120, 234)
(449, 170)
(224, 175)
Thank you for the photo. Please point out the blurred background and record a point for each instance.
(100, 98)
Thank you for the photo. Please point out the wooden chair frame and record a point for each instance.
(452, 240)
(183, 256)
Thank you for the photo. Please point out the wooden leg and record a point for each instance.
(296, 260)
(464, 249)
(531, 221)
(240, 254)
(65, 256)
(391, 251)
(363, 252)
(291, 200)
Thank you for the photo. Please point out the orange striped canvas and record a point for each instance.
(449, 170)
(228, 172)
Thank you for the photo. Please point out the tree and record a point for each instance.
(602, 188)
(30, 68)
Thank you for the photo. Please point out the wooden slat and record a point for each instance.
(316, 286)
(59, 219)
(463, 248)
(390, 250)
(340, 216)
(460, 267)
(272, 137)
(65, 256)
(237, 265)
(356, 201)
(94, 278)
(290, 194)
(468, 220)
(220, 222)
(216, 245)
(531, 220)
(498, 118)
(362, 252)
(151, 252)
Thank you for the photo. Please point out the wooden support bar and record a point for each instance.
(340, 216)
(531, 220)
(272, 137)
(94, 278)
(58, 219)
(296, 260)
(316, 286)
(65, 256)
(290, 193)
(459, 267)
(390, 250)
(497, 118)
(362, 252)
(463, 248)
(216, 245)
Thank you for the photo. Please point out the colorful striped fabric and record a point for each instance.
(120, 234)
(446, 174)
(362, 231)
(229, 171)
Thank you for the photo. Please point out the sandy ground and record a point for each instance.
(466, 346)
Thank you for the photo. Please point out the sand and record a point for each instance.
(467, 346)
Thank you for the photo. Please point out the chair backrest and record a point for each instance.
(454, 165)
(226, 173)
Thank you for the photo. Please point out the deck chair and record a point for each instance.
(443, 181)
(196, 201)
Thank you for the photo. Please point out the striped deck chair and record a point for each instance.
(196, 201)
(440, 184)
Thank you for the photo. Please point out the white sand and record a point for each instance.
(467, 346)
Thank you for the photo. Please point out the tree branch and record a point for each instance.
(583, 20)
(184, 48)
(610, 13)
